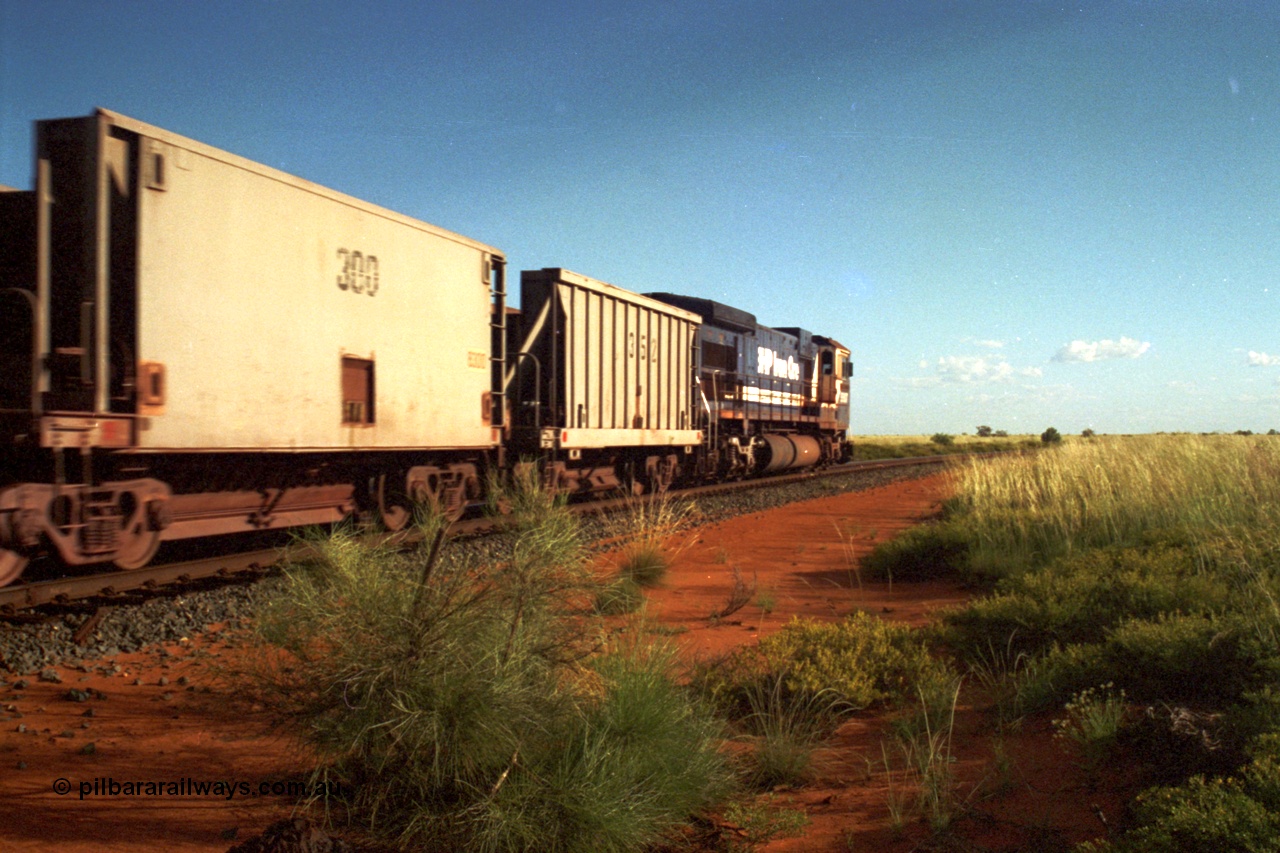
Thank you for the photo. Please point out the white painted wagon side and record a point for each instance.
(252, 287)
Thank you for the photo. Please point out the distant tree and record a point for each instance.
(1088, 433)
(1051, 436)
(984, 432)
(1244, 432)
(1272, 432)
(1002, 433)
(942, 438)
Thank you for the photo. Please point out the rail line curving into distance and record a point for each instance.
(113, 586)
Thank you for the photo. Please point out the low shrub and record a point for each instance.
(1199, 659)
(920, 553)
(859, 661)
(862, 659)
(1193, 658)
(1080, 599)
(1232, 814)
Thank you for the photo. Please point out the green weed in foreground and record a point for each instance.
(924, 740)
(786, 728)
(649, 530)
(467, 707)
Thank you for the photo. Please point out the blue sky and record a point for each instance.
(1015, 213)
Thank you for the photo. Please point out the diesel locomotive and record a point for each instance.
(194, 344)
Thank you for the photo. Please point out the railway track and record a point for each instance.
(106, 589)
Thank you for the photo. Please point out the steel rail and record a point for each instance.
(114, 585)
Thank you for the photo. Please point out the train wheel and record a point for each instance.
(140, 532)
(393, 509)
(138, 546)
(11, 565)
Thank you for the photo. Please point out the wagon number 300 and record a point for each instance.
(359, 272)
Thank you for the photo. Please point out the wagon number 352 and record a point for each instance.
(358, 272)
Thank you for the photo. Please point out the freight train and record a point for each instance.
(193, 344)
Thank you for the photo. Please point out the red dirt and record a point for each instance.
(800, 555)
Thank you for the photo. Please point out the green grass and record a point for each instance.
(1116, 491)
(905, 446)
(619, 596)
(650, 533)
(1150, 564)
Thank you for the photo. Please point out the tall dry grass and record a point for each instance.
(1117, 490)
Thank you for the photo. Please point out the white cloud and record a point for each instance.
(972, 368)
(977, 368)
(1261, 359)
(1101, 350)
(968, 370)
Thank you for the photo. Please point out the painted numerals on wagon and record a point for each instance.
(357, 272)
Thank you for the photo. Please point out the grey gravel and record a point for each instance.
(37, 648)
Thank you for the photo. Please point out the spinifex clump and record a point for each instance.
(473, 707)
